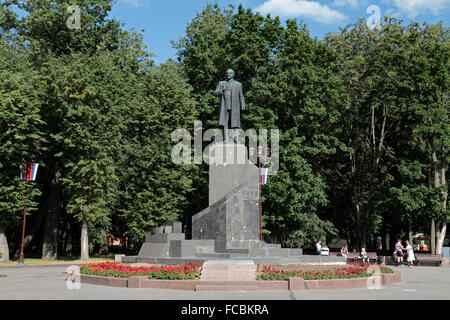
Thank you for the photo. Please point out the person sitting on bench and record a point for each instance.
(344, 252)
(364, 256)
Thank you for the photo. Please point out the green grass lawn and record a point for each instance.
(60, 260)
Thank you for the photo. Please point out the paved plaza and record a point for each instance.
(48, 283)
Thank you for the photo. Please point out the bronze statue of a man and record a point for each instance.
(231, 105)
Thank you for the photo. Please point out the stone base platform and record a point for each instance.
(304, 260)
(292, 284)
(241, 275)
(173, 249)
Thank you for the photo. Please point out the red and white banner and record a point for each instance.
(28, 171)
(264, 172)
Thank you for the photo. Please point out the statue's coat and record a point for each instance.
(237, 104)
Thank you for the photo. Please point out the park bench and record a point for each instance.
(427, 259)
(356, 257)
(422, 259)
(373, 257)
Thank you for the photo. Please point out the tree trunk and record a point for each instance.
(439, 167)
(387, 242)
(441, 237)
(103, 248)
(377, 147)
(393, 236)
(364, 235)
(4, 249)
(442, 227)
(357, 211)
(53, 210)
(358, 225)
(36, 228)
(84, 241)
(433, 236)
(410, 231)
(66, 241)
(436, 184)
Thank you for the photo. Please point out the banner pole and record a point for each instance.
(260, 201)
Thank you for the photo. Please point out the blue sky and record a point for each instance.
(166, 20)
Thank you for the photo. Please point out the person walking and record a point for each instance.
(409, 250)
(319, 247)
(399, 251)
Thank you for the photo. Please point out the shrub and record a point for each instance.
(386, 270)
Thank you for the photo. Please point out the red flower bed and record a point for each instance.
(383, 269)
(351, 270)
(112, 269)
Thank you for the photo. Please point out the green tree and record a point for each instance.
(290, 84)
(42, 32)
(429, 81)
(21, 126)
(43, 29)
(153, 188)
(373, 64)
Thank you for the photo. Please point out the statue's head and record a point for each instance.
(230, 74)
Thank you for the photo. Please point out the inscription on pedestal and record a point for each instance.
(250, 192)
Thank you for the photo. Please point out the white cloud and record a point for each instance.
(413, 8)
(392, 13)
(135, 3)
(302, 8)
(344, 3)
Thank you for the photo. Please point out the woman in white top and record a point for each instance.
(364, 256)
(319, 248)
(410, 259)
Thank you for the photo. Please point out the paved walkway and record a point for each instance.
(48, 283)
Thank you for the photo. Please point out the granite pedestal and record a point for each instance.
(230, 227)
(232, 218)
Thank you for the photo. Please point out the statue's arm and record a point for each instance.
(219, 90)
(241, 98)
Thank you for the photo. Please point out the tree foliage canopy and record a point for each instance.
(362, 114)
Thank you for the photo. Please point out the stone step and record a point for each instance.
(237, 250)
(231, 270)
(273, 245)
(163, 237)
(226, 273)
(192, 243)
(276, 252)
(238, 246)
(219, 276)
(238, 288)
(305, 259)
(222, 255)
(269, 252)
(213, 255)
(239, 255)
